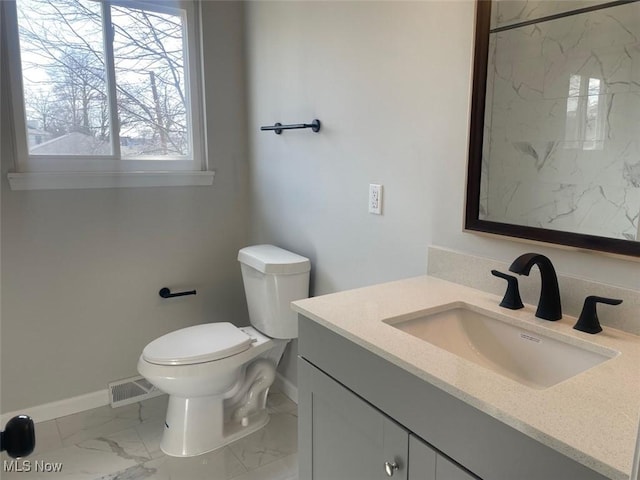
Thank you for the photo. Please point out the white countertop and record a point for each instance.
(591, 418)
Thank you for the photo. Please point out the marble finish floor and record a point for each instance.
(124, 444)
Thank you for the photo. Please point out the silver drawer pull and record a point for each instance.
(390, 468)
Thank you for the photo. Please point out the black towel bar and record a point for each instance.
(278, 127)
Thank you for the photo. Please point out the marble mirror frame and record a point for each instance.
(473, 223)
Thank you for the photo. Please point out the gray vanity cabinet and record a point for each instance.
(357, 411)
(343, 437)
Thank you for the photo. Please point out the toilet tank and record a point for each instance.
(273, 278)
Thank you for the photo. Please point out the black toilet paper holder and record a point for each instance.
(166, 293)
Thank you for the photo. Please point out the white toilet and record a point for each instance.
(218, 375)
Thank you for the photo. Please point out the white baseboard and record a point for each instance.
(286, 387)
(61, 408)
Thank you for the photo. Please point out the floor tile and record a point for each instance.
(278, 439)
(150, 433)
(88, 460)
(47, 437)
(285, 468)
(124, 444)
(137, 472)
(218, 465)
(106, 420)
(280, 403)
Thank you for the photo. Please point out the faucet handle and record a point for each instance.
(588, 321)
(512, 295)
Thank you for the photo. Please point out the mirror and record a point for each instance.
(554, 153)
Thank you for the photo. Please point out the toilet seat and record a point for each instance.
(197, 344)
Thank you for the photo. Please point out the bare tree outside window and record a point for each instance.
(66, 81)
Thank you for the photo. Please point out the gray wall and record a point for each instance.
(391, 83)
(81, 269)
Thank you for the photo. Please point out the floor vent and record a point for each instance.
(131, 390)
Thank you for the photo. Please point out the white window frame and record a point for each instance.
(63, 172)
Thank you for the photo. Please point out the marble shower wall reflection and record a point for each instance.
(561, 149)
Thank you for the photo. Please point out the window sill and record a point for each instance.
(77, 180)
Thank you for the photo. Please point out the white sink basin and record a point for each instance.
(527, 356)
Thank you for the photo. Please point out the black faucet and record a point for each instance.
(549, 307)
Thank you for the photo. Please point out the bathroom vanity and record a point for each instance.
(378, 401)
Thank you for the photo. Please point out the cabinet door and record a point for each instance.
(447, 470)
(422, 460)
(426, 464)
(342, 436)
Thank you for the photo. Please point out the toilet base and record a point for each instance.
(195, 426)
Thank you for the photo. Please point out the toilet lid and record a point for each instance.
(197, 344)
